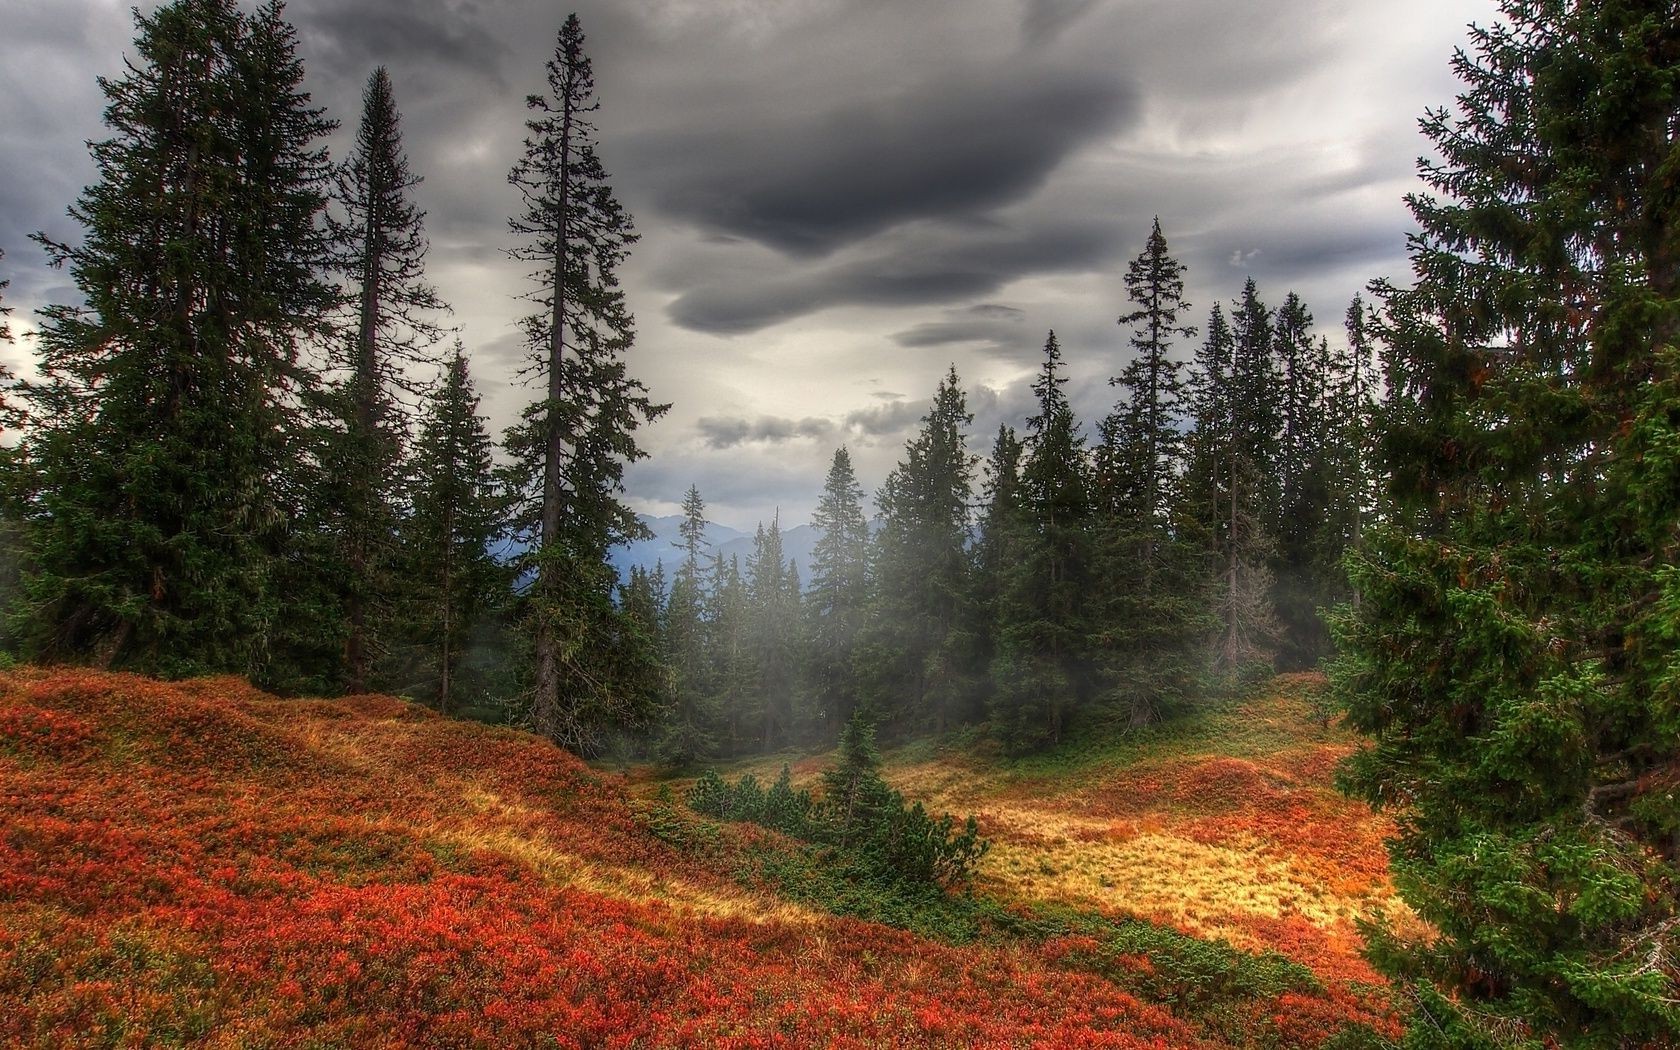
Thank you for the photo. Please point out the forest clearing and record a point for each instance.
(201, 862)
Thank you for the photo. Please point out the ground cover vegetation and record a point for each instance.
(244, 454)
(201, 863)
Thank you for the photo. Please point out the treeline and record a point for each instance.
(247, 452)
(1198, 534)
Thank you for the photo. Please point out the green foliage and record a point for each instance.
(594, 669)
(168, 446)
(453, 597)
(1512, 652)
(880, 839)
(912, 660)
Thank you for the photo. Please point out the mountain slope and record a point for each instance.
(201, 863)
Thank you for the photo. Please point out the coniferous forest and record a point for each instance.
(251, 444)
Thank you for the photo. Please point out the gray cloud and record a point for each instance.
(721, 432)
(966, 142)
(937, 267)
(350, 39)
(883, 420)
(839, 196)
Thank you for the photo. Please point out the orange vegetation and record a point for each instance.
(199, 863)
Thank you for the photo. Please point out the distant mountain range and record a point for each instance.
(664, 548)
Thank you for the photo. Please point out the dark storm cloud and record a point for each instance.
(933, 269)
(721, 432)
(990, 324)
(965, 144)
(352, 38)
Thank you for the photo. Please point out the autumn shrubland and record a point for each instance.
(200, 863)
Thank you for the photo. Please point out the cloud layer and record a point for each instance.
(841, 198)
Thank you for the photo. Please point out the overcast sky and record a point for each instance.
(840, 198)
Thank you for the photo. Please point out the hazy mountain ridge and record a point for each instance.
(665, 548)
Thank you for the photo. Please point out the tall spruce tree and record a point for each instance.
(731, 669)
(772, 586)
(454, 588)
(165, 440)
(1303, 568)
(1144, 431)
(835, 603)
(1513, 653)
(689, 730)
(1222, 491)
(382, 247)
(912, 660)
(994, 555)
(1043, 671)
(571, 446)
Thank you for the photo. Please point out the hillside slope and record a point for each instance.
(199, 863)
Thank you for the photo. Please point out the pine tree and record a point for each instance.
(455, 588)
(1512, 655)
(1043, 668)
(571, 446)
(912, 660)
(839, 587)
(382, 245)
(166, 441)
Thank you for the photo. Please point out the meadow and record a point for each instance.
(199, 863)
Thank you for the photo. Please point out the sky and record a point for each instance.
(838, 200)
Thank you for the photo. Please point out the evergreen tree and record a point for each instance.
(995, 554)
(1303, 567)
(913, 658)
(690, 724)
(455, 588)
(166, 442)
(772, 586)
(1513, 653)
(835, 604)
(383, 254)
(1222, 489)
(1256, 400)
(1044, 624)
(571, 446)
(731, 669)
(1145, 610)
(1147, 420)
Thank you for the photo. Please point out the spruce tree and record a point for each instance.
(382, 247)
(166, 442)
(913, 659)
(1512, 656)
(1043, 668)
(835, 604)
(1302, 566)
(1147, 419)
(995, 553)
(572, 444)
(689, 728)
(454, 586)
(1222, 488)
(772, 589)
(731, 670)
